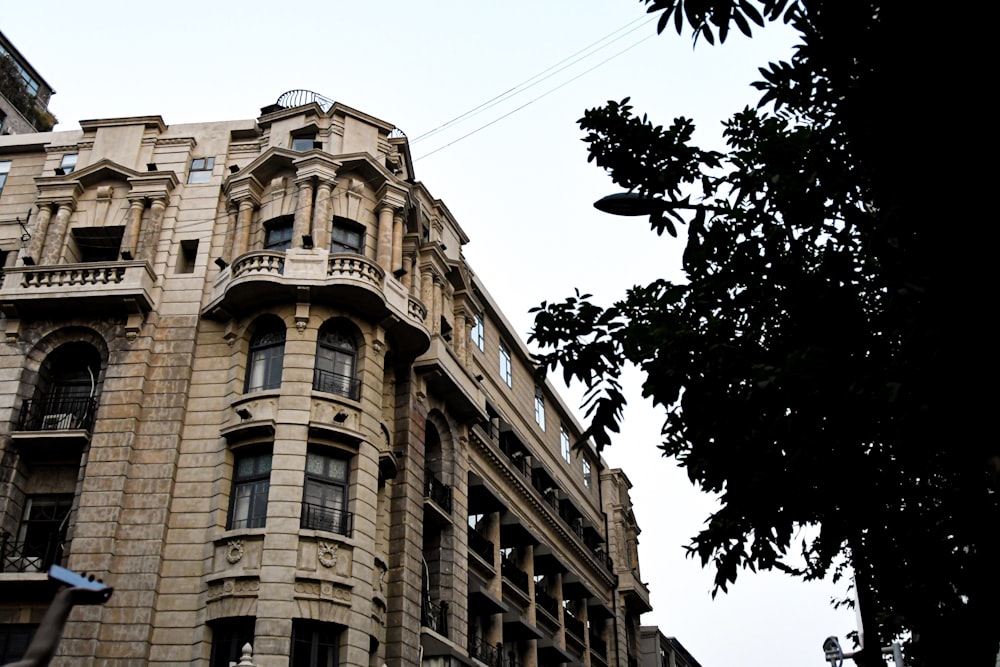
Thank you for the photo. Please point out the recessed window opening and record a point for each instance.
(278, 233)
(251, 487)
(336, 359)
(187, 256)
(347, 236)
(98, 244)
(324, 501)
(506, 372)
(201, 170)
(267, 355)
(68, 163)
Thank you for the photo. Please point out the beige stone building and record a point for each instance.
(250, 380)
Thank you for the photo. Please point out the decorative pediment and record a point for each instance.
(102, 170)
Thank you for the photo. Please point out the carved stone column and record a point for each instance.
(243, 221)
(227, 248)
(384, 249)
(460, 336)
(407, 267)
(34, 250)
(322, 220)
(148, 239)
(437, 300)
(397, 241)
(417, 279)
(426, 288)
(54, 245)
(303, 212)
(130, 242)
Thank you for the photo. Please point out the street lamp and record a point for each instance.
(630, 203)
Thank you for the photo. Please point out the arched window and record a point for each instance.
(66, 396)
(336, 359)
(267, 353)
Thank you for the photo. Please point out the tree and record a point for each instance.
(813, 367)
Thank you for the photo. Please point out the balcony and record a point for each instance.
(574, 626)
(634, 592)
(54, 428)
(335, 383)
(434, 615)
(437, 491)
(598, 648)
(318, 517)
(481, 546)
(263, 277)
(35, 555)
(514, 574)
(449, 377)
(490, 655)
(546, 602)
(115, 288)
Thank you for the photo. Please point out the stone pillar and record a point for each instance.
(130, 242)
(322, 220)
(397, 241)
(407, 267)
(416, 289)
(227, 248)
(384, 250)
(436, 300)
(34, 250)
(461, 335)
(303, 212)
(427, 296)
(243, 221)
(54, 246)
(148, 239)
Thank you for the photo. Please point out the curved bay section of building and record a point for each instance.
(252, 382)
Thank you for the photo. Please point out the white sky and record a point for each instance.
(521, 188)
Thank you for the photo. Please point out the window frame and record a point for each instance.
(587, 474)
(269, 354)
(283, 227)
(565, 445)
(539, 407)
(318, 503)
(5, 166)
(201, 170)
(228, 637)
(478, 332)
(257, 483)
(67, 164)
(346, 225)
(336, 352)
(506, 367)
(314, 636)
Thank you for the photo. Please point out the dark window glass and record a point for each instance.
(267, 355)
(278, 233)
(14, 640)
(325, 498)
(251, 484)
(336, 355)
(347, 237)
(315, 644)
(228, 637)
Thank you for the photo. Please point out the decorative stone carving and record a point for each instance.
(235, 552)
(327, 554)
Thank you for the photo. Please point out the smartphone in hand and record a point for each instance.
(101, 591)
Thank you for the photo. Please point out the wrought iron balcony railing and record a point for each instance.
(481, 546)
(574, 626)
(335, 383)
(34, 555)
(546, 602)
(490, 655)
(437, 491)
(434, 615)
(509, 570)
(52, 413)
(318, 517)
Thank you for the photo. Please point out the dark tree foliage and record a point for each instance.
(12, 87)
(816, 365)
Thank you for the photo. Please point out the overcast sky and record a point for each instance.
(520, 187)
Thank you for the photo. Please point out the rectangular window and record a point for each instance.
(586, 473)
(98, 244)
(564, 444)
(201, 170)
(324, 502)
(478, 336)
(505, 369)
(42, 530)
(278, 233)
(68, 164)
(539, 407)
(315, 644)
(4, 170)
(251, 485)
(305, 143)
(228, 638)
(14, 640)
(347, 237)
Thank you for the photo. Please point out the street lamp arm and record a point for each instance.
(633, 203)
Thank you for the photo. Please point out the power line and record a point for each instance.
(530, 102)
(523, 86)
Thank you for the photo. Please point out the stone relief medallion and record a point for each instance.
(327, 554)
(235, 552)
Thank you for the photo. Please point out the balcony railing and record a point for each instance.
(355, 267)
(260, 261)
(318, 517)
(510, 571)
(546, 602)
(434, 615)
(598, 646)
(30, 556)
(335, 383)
(480, 546)
(437, 491)
(57, 414)
(490, 655)
(574, 626)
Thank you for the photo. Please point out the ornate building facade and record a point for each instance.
(250, 380)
